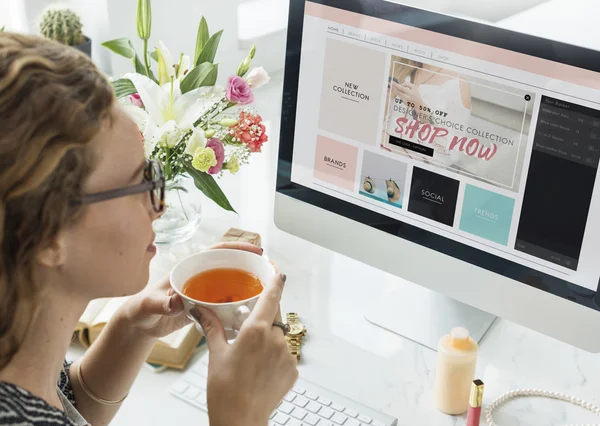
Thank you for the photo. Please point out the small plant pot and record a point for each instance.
(85, 47)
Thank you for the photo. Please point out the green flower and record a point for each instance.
(233, 165)
(204, 159)
(144, 19)
(245, 64)
(228, 122)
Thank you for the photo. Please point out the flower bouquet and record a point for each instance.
(192, 126)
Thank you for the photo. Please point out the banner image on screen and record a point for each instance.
(464, 124)
(351, 95)
(383, 179)
(335, 163)
(433, 196)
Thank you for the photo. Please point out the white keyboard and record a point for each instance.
(305, 405)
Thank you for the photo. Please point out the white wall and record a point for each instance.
(25, 14)
(175, 22)
(486, 10)
(12, 15)
(94, 15)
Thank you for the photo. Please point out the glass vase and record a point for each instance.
(182, 214)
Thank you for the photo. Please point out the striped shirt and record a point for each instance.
(19, 407)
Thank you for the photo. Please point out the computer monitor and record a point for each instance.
(458, 156)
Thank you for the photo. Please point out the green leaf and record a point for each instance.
(124, 47)
(140, 68)
(154, 56)
(123, 87)
(209, 187)
(201, 39)
(209, 51)
(121, 46)
(203, 75)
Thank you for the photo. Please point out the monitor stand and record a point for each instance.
(424, 316)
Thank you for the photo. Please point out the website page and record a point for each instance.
(492, 148)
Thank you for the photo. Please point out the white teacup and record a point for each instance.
(233, 314)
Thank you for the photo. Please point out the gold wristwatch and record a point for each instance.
(295, 335)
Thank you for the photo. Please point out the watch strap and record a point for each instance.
(294, 342)
(294, 346)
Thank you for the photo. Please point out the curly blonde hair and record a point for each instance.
(53, 101)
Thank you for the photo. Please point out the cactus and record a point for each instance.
(63, 26)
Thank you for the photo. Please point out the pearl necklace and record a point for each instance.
(542, 393)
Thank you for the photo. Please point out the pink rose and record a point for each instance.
(216, 145)
(238, 91)
(136, 100)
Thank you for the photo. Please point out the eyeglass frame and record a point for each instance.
(148, 186)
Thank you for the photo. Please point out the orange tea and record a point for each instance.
(222, 285)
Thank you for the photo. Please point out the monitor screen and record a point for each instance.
(477, 142)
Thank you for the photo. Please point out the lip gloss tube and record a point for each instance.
(475, 403)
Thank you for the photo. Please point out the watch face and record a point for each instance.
(296, 328)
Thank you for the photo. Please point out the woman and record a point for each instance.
(63, 141)
(428, 93)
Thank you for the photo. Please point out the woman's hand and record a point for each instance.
(410, 94)
(157, 311)
(248, 378)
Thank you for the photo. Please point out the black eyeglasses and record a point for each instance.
(154, 182)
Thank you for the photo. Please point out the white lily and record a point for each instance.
(166, 66)
(197, 140)
(183, 66)
(140, 117)
(167, 109)
(170, 134)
